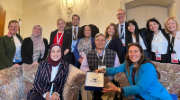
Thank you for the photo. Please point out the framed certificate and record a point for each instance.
(94, 82)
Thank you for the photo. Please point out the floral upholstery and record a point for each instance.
(10, 84)
(15, 83)
(169, 78)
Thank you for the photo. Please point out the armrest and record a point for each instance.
(121, 79)
(73, 84)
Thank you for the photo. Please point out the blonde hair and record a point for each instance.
(166, 23)
(62, 20)
(100, 34)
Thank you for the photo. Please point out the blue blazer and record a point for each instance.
(146, 82)
(76, 53)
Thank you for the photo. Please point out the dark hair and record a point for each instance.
(75, 15)
(129, 34)
(115, 35)
(13, 21)
(94, 31)
(142, 60)
(149, 32)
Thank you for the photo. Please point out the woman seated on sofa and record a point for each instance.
(35, 48)
(141, 74)
(51, 72)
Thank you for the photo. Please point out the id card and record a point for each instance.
(81, 54)
(123, 42)
(158, 56)
(73, 45)
(174, 58)
(101, 66)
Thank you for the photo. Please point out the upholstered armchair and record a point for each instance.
(169, 78)
(15, 83)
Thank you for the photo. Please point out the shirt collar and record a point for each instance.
(101, 52)
(122, 24)
(75, 27)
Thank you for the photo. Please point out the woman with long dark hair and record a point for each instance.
(158, 42)
(141, 74)
(133, 35)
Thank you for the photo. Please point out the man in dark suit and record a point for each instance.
(122, 25)
(74, 34)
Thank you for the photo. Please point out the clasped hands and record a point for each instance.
(54, 96)
(112, 88)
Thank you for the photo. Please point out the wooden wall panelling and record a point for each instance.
(2, 20)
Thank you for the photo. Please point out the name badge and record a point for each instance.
(73, 45)
(174, 58)
(158, 56)
(123, 42)
(81, 54)
(101, 66)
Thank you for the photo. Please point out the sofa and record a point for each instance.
(15, 83)
(169, 78)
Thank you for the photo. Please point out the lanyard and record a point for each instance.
(120, 35)
(108, 42)
(102, 57)
(58, 40)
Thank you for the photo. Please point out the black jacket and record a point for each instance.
(27, 51)
(67, 40)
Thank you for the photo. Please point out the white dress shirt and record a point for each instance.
(18, 48)
(176, 46)
(141, 42)
(159, 44)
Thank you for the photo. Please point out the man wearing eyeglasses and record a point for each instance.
(99, 58)
(120, 15)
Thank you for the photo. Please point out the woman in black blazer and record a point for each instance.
(62, 37)
(113, 42)
(133, 34)
(158, 42)
(35, 48)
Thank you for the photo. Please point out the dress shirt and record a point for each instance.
(18, 48)
(176, 46)
(141, 42)
(159, 43)
(85, 67)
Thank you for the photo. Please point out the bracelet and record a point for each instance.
(119, 90)
(104, 69)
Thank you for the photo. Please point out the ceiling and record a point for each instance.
(135, 3)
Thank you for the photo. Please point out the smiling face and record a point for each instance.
(153, 26)
(13, 28)
(87, 31)
(120, 15)
(131, 28)
(100, 42)
(37, 31)
(171, 26)
(111, 30)
(61, 25)
(55, 53)
(134, 54)
(75, 20)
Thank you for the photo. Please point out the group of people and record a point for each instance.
(123, 43)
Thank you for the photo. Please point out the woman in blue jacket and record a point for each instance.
(83, 46)
(141, 75)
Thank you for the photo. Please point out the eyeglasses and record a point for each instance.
(100, 40)
(120, 14)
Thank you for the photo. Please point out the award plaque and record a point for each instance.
(94, 82)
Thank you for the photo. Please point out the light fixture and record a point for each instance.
(68, 5)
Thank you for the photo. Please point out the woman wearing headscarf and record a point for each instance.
(35, 48)
(62, 37)
(51, 72)
(10, 47)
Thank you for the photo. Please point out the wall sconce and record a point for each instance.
(68, 6)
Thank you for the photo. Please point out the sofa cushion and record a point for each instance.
(169, 76)
(28, 75)
(74, 81)
(10, 83)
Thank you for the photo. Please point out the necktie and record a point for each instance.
(121, 29)
(121, 34)
(74, 37)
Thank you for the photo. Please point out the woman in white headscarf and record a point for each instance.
(35, 48)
